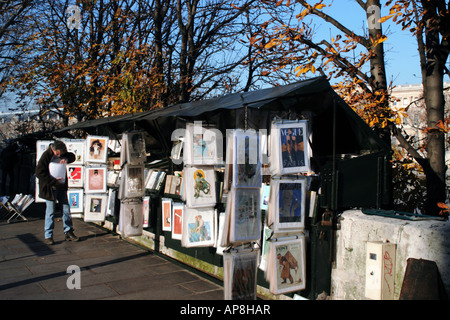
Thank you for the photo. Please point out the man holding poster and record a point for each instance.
(51, 172)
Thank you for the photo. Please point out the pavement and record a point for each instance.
(103, 266)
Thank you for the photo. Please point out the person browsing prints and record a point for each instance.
(54, 189)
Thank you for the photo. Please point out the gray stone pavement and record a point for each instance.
(110, 268)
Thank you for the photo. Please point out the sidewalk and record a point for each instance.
(111, 268)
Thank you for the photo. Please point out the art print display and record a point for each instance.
(95, 179)
(76, 197)
(246, 159)
(146, 211)
(245, 215)
(177, 220)
(135, 147)
(96, 149)
(290, 151)
(41, 147)
(200, 145)
(76, 146)
(198, 227)
(286, 265)
(95, 207)
(133, 181)
(166, 208)
(240, 274)
(131, 218)
(287, 204)
(112, 198)
(200, 186)
(75, 176)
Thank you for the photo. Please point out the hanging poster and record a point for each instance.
(76, 197)
(76, 146)
(201, 145)
(290, 151)
(286, 265)
(200, 186)
(135, 150)
(240, 272)
(75, 176)
(287, 204)
(198, 227)
(131, 218)
(245, 215)
(146, 211)
(95, 177)
(166, 205)
(95, 207)
(96, 149)
(246, 159)
(112, 197)
(177, 220)
(134, 181)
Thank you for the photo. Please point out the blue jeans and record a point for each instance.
(61, 197)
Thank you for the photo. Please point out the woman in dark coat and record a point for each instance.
(53, 189)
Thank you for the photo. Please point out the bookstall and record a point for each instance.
(245, 187)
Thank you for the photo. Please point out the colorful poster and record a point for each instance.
(75, 176)
(198, 227)
(96, 149)
(177, 219)
(166, 205)
(200, 186)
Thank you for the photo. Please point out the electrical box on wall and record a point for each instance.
(380, 270)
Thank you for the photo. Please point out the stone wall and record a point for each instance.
(422, 239)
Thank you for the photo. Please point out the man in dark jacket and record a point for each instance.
(53, 189)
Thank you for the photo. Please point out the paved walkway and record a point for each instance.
(111, 268)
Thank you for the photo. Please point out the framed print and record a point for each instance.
(131, 218)
(287, 209)
(177, 220)
(41, 147)
(95, 207)
(240, 274)
(112, 198)
(75, 176)
(198, 227)
(246, 159)
(76, 197)
(286, 269)
(246, 215)
(134, 181)
(96, 149)
(95, 179)
(290, 151)
(136, 153)
(76, 146)
(166, 208)
(200, 186)
(201, 145)
(146, 211)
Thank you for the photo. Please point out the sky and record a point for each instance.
(401, 55)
